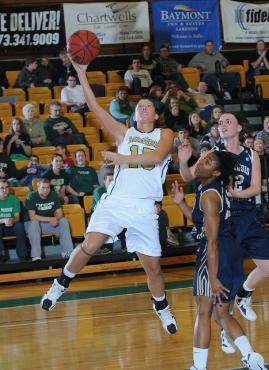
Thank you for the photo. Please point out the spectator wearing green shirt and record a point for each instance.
(10, 224)
(59, 129)
(33, 126)
(44, 215)
(59, 179)
(83, 179)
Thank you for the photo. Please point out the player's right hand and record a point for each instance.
(177, 194)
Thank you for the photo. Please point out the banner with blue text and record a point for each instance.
(31, 30)
(185, 25)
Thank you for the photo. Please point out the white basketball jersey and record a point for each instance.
(139, 181)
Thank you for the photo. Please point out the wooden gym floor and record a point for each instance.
(107, 323)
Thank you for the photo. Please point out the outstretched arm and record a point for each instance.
(117, 129)
(162, 150)
(184, 154)
(178, 197)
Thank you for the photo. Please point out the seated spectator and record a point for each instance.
(121, 108)
(186, 102)
(264, 134)
(45, 215)
(4, 84)
(10, 224)
(184, 134)
(216, 112)
(168, 69)
(28, 75)
(67, 159)
(166, 236)
(102, 189)
(259, 147)
(173, 116)
(158, 98)
(73, 96)
(17, 144)
(136, 79)
(204, 101)
(65, 69)
(105, 168)
(197, 125)
(46, 72)
(32, 171)
(83, 179)
(146, 59)
(260, 66)
(33, 126)
(249, 141)
(211, 64)
(59, 179)
(213, 136)
(59, 129)
(8, 169)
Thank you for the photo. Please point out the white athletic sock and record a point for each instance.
(200, 357)
(247, 288)
(69, 274)
(242, 343)
(159, 299)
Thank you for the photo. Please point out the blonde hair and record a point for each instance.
(27, 107)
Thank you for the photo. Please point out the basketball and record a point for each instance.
(83, 46)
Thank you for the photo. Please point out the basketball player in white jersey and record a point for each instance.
(141, 165)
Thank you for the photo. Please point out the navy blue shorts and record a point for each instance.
(230, 271)
(250, 235)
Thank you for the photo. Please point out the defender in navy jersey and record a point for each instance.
(219, 271)
(141, 164)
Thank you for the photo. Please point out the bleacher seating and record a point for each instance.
(20, 93)
(96, 77)
(12, 77)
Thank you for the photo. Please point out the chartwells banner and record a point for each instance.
(113, 23)
(185, 25)
(244, 22)
(29, 30)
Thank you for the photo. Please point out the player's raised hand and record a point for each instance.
(184, 151)
(78, 67)
(177, 193)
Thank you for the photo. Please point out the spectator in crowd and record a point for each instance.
(204, 101)
(28, 75)
(259, 147)
(83, 178)
(158, 98)
(264, 134)
(33, 126)
(8, 169)
(249, 141)
(46, 72)
(67, 159)
(4, 84)
(102, 189)
(213, 136)
(166, 235)
(216, 112)
(146, 59)
(73, 96)
(260, 66)
(168, 69)
(10, 224)
(211, 63)
(173, 116)
(136, 79)
(59, 129)
(197, 125)
(45, 215)
(59, 179)
(17, 143)
(66, 68)
(33, 170)
(183, 135)
(186, 102)
(105, 168)
(121, 108)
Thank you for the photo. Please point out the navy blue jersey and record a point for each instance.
(242, 178)
(198, 215)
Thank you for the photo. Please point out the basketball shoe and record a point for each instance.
(195, 368)
(244, 306)
(226, 344)
(49, 300)
(253, 361)
(168, 321)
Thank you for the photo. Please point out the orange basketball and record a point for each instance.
(83, 46)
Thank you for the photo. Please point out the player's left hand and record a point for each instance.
(233, 193)
(219, 291)
(113, 158)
